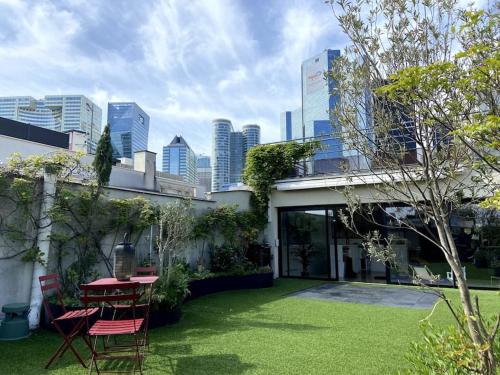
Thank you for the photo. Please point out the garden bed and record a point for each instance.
(217, 284)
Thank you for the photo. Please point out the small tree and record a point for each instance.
(175, 221)
(103, 161)
(416, 78)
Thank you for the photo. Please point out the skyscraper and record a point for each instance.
(56, 112)
(251, 135)
(204, 172)
(129, 127)
(179, 159)
(236, 156)
(221, 135)
(291, 125)
(229, 150)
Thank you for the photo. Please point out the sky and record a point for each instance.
(184, 62)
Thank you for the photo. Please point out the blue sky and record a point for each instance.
(184, 62)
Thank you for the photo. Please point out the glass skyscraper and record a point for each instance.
(129, 127)
(229, 150)
(178, 159)
(236, 156)
(291, 125)
(204, 172)
(251, 136)
(221, 135)
(56, 112)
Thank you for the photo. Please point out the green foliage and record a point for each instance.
(103, 161)
(169, 294)
(446, 351)
(33, 255)
(237, 228)
(229, 260)
(267, 163)
(83, 218)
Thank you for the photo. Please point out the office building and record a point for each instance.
(229, 149)
(221, 135)
(236, 156)
(251, 136)
(204, 172)
(61, 113)
(129, 127)
(180, 160)
(291, 125)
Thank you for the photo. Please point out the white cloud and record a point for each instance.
(184, 62)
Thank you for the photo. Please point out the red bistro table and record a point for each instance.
(146, 281)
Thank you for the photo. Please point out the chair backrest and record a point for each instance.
(422, 272)
(145, 271)
(50, 284)
(109, 293)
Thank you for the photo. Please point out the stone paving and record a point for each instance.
(409, 297)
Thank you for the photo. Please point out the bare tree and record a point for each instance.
(415, 75)
(175, 222)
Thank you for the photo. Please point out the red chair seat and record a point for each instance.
(77, 314)
(116, 327)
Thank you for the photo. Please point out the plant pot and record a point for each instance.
(163, 317)
(211, 285)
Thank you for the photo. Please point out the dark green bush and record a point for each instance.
(167, 296)
(230, 260)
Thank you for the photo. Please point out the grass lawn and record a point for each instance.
(262, 332)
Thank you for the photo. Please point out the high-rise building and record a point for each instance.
(251, 135)
(204, 172)
(221, 135)
(129, 127)
(229, 150)
(291, 125)
(236, 156)
(56, 112)
(179, 159)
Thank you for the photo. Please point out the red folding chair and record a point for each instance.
(75, 318)
(122, 292)
(145, 271)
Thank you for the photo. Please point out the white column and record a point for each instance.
(43, 243)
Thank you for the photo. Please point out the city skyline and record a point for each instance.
(169, 63)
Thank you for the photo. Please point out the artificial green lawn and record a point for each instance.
(263, 332)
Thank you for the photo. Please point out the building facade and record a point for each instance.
(291, 125)
(221, 136)
(178, 159)
(204, 172)
(251, 136)
(61, 113)
(236, 157)
(129, 127)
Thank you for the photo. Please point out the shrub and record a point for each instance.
(446, 351)
(229, 259)
(167, 296)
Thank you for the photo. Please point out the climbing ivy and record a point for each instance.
(267, 163)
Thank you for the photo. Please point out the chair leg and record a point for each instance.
(93, 360)
(67, 343)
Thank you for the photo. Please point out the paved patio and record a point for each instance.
(409, 297)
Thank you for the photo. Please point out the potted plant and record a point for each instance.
(168, 295)
(304, 252)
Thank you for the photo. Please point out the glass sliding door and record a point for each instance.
(305, 244)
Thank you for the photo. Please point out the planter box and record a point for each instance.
(160, 318)
(211, 285)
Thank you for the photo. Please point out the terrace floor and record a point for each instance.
(266, 331)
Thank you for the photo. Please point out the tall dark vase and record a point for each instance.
(124, 261)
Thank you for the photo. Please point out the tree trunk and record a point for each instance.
(43, 243)
(472, 317)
